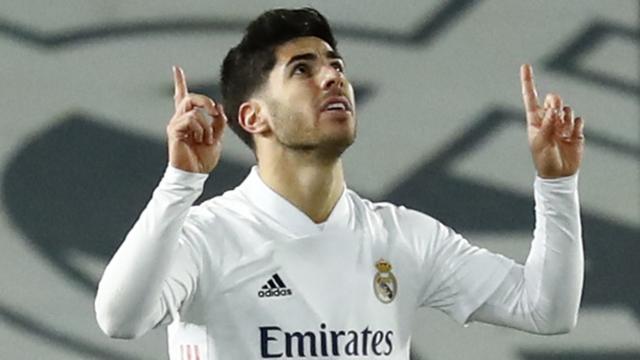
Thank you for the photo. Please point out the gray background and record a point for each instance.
(86, 93)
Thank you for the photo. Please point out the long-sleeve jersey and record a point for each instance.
(247, 275)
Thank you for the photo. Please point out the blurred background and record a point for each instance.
(87, 91)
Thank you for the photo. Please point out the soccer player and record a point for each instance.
(293, 264)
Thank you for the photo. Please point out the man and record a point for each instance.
(291, 263)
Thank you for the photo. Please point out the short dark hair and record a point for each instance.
(247, 66)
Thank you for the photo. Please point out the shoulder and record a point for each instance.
(389, 212)
(392, 217)
(210, 214)
(231, 203)
(230, 219)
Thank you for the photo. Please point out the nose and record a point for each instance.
(331, 77)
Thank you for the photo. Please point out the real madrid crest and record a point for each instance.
(385, 285)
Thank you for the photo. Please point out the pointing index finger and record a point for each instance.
(180, 84)
(529, 94)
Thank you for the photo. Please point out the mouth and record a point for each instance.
(337, 104)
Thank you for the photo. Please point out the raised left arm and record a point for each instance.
(556, 138)
(543, 296)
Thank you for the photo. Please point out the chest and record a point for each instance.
(339, 279)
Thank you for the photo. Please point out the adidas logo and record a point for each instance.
(274, 287)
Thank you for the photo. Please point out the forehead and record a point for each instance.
(301, 45)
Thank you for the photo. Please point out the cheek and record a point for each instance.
(304, 101)
(351, 95)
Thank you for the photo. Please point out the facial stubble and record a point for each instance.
(291, 133)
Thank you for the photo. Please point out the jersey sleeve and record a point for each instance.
(184, 284)
(157, 266)
(456, 277)
(543, 296)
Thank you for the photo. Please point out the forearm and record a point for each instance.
(128, 301)
(543, 296)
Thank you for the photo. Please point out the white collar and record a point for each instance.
(286, 214)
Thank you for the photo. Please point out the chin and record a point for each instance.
(328, 143)
(337, 145)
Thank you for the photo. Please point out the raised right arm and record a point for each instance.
(154, 266)
(157, 265)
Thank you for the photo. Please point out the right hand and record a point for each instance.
(195, 139)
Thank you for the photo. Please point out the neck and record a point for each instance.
(313, 186)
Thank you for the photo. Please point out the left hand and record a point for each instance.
(556, 138)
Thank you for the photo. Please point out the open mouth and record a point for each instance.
(337, 104)
(336, 107)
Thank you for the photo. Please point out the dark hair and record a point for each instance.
(246, 66)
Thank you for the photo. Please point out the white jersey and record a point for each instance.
(252, 277)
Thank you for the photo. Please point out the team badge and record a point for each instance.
(385, 285)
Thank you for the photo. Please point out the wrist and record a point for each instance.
(174, 176)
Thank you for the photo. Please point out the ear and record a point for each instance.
(252, 117)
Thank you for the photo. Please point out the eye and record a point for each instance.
(338, 66)
(300, 69)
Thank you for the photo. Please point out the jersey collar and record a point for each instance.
(286, 214)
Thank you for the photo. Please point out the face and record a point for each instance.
(309, 101)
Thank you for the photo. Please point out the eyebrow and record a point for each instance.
(312, 56)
